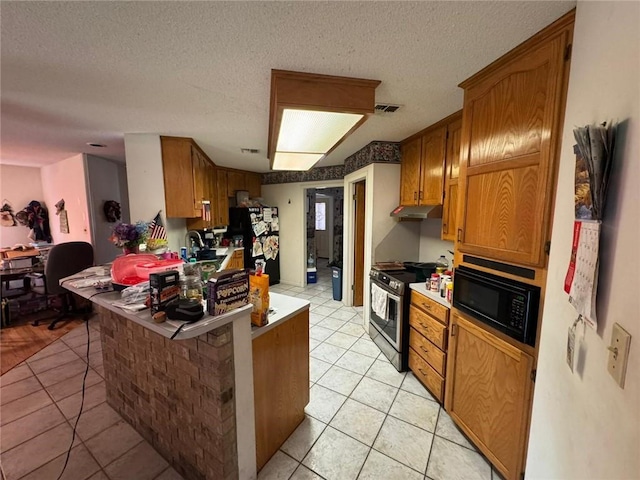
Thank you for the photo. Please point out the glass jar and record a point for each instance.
(191, 287)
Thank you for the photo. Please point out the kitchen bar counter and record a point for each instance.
(193, 397)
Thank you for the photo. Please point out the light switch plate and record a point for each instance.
(620, 340)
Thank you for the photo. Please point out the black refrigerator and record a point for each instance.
(259, 228)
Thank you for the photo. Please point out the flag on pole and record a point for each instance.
(156, 228)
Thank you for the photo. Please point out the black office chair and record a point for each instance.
(64, 260)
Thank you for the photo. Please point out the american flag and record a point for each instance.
(156, 228)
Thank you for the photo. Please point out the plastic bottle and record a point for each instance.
(311, 261)
(442, 261)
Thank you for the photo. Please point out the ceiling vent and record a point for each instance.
(386, 108)
(252, 151)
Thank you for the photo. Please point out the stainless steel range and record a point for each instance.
(389, 313)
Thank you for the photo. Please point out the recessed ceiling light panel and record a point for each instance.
(295, 161)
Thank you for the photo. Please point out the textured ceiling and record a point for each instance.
(78, 72)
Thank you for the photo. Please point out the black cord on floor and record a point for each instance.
(75, 426)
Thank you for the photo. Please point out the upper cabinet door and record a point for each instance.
(178, 177)
(510, 140)
(433, 150)
(451, 172)
(410, 172)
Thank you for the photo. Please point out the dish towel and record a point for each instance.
(379, 301)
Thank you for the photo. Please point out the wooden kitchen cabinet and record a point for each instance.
(451, 173)
(422, 166)
(280, 383)
(235, 181)
(208, 176)
(222, 200)
(253, 183)
(511, 134)
(428, 336)
(181, 166)
(488, 393)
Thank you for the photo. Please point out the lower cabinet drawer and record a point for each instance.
(428, 326)
(428, 351)
(426, 374)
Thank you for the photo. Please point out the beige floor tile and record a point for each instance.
(29, 426)
(411, 384)
(56, 347)
(355, 362)
(34, 453)
(375, 394)
(169, 474)
(58, 374)
(303, 473)
(450, 461)
(417, 411)
(341, 314)
(380, 466)
(327, 353)
(53, 361)
(99, 476)
(17, 373)
(366, 347)
(335, 455)
(302, 439)
(113, 442)
(81, 466)
(405, 443)
(331, 323)
(386, 373)
(20, 389)
(24, 406)
(317, 368)
(319, 333)
(340, 380)
(96, 420)
(141, 462)
(323, 403)
(279, 467)
(94, 395)
(352, 329)
(358, 421)
(447, 429)
(81, 339)
(72, 385)
(341, 340)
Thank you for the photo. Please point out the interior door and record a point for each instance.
(358, 258)
(323, 213)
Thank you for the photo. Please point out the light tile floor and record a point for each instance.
(365, 420)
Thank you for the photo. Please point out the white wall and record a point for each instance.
(18, 186)
(66, 179)
(386, 238)
(290, 200)
(146, 184)
(431, 246)
(584, 426)
(104, 183)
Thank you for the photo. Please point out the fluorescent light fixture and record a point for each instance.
(295, 161)
(311, 114)
(307, 135)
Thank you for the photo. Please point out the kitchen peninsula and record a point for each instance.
(193, 397)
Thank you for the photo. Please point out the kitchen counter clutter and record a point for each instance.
(422, 289)
(216, 386)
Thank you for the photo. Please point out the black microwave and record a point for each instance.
(507, 305)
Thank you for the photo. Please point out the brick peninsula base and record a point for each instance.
(178, 394)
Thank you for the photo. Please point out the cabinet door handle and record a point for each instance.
(423, 349)
(415, 195)
(459, 234)
(422, 372)
(427, 307)
(454, 330)
(421, 192)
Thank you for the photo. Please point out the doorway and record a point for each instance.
(358, 234)
(324, 230)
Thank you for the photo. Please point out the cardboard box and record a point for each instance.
(8, 253)
(163, 287)
(227, 290)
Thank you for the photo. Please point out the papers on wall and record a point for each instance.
(581, 281)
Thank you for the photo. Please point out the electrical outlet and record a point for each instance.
(619, 353)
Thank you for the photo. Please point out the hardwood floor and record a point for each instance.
(21, 340)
